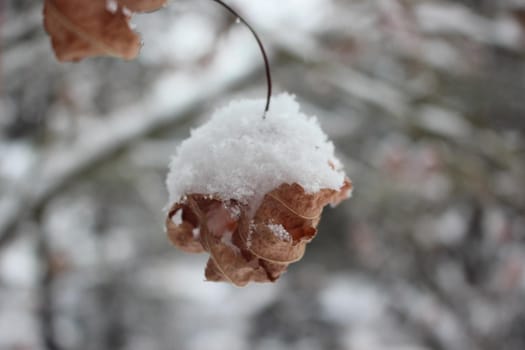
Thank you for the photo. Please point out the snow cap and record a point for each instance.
(239, 155)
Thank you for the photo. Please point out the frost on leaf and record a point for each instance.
(250, 191)
(84, 28)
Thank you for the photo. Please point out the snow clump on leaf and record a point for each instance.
(250, 190)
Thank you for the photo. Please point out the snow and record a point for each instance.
(196, 232)
(240, 155)
(111, 6)
(182, 279)
(18, 265)
(16, 160)
(296, 15)
(279, 231)
(451, 19)
(127, 12)
(185, 41)
(353, 300)
(18, 324)
(444, 122)
(234, 211)
(177, 218)
(250, 233)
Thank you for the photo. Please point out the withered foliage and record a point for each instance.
(243, 246)
(84, 28)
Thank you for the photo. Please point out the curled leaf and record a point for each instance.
(253, 211)
(83, 28)
(246, 247)
(142, 5)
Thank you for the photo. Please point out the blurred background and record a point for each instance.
(425, 101)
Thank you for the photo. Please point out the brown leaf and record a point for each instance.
(257, 248)
(142, 5)
(84, 28)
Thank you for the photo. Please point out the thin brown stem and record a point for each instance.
(263, 51)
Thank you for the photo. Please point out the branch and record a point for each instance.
(46, 297)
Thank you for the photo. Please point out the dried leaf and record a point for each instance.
(84, 28)
(142, 5)
(247, 248)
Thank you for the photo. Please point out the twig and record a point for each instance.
(263, 52)
(46, 299)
